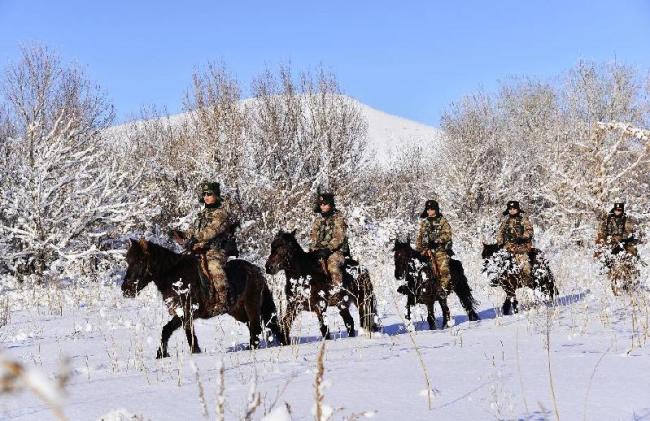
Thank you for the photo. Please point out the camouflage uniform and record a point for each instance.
(434, 235)
(209, 231)
(329, 231)
(516, 236)
(614, 230)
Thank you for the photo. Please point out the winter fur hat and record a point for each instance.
(430, 204)
(324, 198)
(618, 205)
(513, 204)
(209, 187)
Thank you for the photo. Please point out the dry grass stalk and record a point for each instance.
(14, 377)
(318, 384)
(221, 391)
(549, 322)
(204, 405)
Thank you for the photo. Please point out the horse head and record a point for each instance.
(403, 256)
(138, 273)
(284, 251)
(489, 250)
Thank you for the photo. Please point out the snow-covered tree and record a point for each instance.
(64, 192)
(596, 155)
(304, 135)
(567, 150)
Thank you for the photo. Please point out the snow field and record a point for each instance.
(495, 368)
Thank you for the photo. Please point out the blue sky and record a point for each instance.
(409, 58)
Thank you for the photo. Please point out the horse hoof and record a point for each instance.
(196, 350)
(161, 355)
(351, 333)
(473, 317)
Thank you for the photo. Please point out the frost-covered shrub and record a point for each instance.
(64, 190)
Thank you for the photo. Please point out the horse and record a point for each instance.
(308, 287)
(502, 270)
(178, 278)
(620, 262)
(422, 288)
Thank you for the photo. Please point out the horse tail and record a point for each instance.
(461, 287)
(270, 313)
(366, 302)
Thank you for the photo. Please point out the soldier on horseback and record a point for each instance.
(617, 230)
(516, 236)
(211, 237)
(328, 237)
(434, 242)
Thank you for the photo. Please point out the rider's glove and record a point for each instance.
(191, 243)
(323, 253)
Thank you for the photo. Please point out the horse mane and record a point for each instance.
(413, 253)
(303, 259)
(162, 257)
(489, 250)
(290, 237)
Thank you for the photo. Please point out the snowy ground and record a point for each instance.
(598, 358)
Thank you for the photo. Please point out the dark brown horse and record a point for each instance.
(501, 269)
(422, 288)
(308, 287)
(187, 296)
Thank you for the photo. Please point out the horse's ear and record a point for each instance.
(293, 233)
(133, 243)
(144, 245)
(408, 239)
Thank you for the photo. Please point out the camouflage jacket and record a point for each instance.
(210, 226)
(329, 232)
(434, 233)
(615, 229)
(516, 233)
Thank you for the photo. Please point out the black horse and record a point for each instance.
(308, 287)
(501, 269)
(178, 279)
(422, 288)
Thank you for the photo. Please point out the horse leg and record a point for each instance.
(472, 316)
(167, 331)
(254, 323)
(446, 314)
(507, 305)
(324, 330)
(431, 317)
(409, 299)
(192, 341)
(287, 321)
(511, 297)
(348, 320)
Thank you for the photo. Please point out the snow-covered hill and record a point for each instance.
(387, 133)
